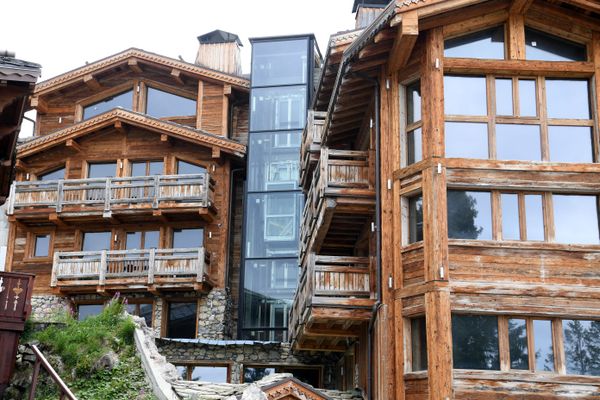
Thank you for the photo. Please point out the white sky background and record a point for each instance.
(62, 35)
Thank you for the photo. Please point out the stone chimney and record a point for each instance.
(367, 10)
(220, 50)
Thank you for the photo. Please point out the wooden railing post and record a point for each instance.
(103, 266)
(40, 361)
(151, 266)
(34, 378)
(156, 191)
(54, 278)
(107, 195)
(200, 268)
(11, 199)
(59, 195)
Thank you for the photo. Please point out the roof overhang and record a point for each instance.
(119, 117)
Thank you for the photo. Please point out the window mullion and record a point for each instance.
(543, 115)
(496, 216)
(504, 346)
(516, 97)
(558, 346)
(522, 217)
(530, 344)
(491, 113)
(548, 205)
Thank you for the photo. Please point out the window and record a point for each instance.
(124, 100)
(414, 135)
(469, 215)
(543, 345)
(143, 310)
(146, 168)
(582, 349)
(184, 168)
(309, 375)
(522, 216)
(576, 219)
(96, 241)
(280, 219)
(162, 104)
(88, 310)
(547, 47)
(278, 108)
(42, 245)
(53, 175)
(279, 62)
(488, 44)
(181, 320)
(475, 342)
(415, 218)
(204, 373)
(518, 345)
(188, 238)
(142, 240)
(515, 115)
(274, 159)
(102, 169)
(418, 340)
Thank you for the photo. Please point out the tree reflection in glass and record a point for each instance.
(544, 352)
(582, 347)
(517, 339)
(469, 215)
(475, 342)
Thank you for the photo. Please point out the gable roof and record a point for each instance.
(73, 76)
(108, 118)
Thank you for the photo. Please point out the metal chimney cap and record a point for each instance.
(219, 36)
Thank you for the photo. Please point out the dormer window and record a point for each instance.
(123, 99)
(486, 44)
(546, 47)
(162, 104)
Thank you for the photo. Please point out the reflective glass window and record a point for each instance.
(518, 142)
(278, 108)
(96, 241)
(568, 98)
(42, 245)
(279, 62)
(123, 100)
(161, 104)
(542, 338)
(88, 310)
(534, 217)
(184, 168)
(142, 240)
(274, 159)
(466, 140)
(582, 351)
(206, 373)
(418, 342)
(475, 342)
(544, 46)
(469, 215)
(465, 95)
(189, 238)
(415, 145)
(143, 310)
(575, 219)
(504, 96)
(527, 98)
(181, 320)
(415, 216)
(254, 374)
(570, 144)
(146, 168)
(53, 175)
(510, 216)
(413, 102)
(102, 170)
(488, 44)
(518, 345)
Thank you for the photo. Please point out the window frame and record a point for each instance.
(137, 301)
(31, 244)
(98, 97)
(164, 328)
(143, 98)
(190, 365)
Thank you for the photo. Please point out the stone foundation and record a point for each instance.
(48, 308)
(214, 315)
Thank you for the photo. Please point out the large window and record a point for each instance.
(487, 44)
(274, 159)
(123, 100)
(279, 62)
(576, 219)
(204, 373)
(475, 342)
(188, 238)
(96, 241)
(278, 108)
(53, 175)
(414, 131)
(469, 215)
(582, 347)
(142, 310)
(544, 46)
(415, 219)
(88, 310)
(142, 240)
(181, 320)
(418, 340)
(161, 104)
(510, 118)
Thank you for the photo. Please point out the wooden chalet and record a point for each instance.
(125, 186)
(449, 241)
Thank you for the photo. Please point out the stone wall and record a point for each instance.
(214, 315)
(48, 308)
(240, 353)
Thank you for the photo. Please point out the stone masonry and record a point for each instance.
(48, 308)
(214, 312)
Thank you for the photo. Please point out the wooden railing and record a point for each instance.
(311, 145)
(41, 362)
(332, 281)
(338, 173)
(107, 194)
(115, 266)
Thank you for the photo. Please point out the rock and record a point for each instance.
(107, 361)
(253, 392)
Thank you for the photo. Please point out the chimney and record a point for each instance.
(367, 10)
(220, 50)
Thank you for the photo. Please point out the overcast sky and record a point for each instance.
(63, 34)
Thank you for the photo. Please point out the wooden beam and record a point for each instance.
(39, 104)
(21, 165)
(516, 36)
(574, 69)
(134, 66)
(227, 90)
(176, 75)
(91, 82)
(160, 215)
(216, 152)
(56, 220)
(373, 50)
(591, 5)
(164, 138)
(120, 127)
(405, 40)
(72, 144)
(520, 6)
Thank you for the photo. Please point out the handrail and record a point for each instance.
(40, 361)
(110, 192)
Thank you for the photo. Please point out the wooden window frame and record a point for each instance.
(78, 303)
(405, 127)
(31, 243)
(143, 96)
(128, 163)
(137, 301)
(114, 244)
(124, 87)
(190, 365)
(165, 312)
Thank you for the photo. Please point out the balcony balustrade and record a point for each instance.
(311, 145)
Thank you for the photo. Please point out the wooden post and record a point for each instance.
(59, 196)
(156, 191)
(439, 344)
(11, 199)
(54, 278)
(102, 272)
(107, 195)
(200, 267)
(432, 93)
(34, 378)
(151, 266)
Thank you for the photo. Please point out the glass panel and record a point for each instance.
(273, 225)
(269, 287)
(527, 98)
(510, 216)
(546, 47)
(415, 215)
(571, 144)
(146, 168)
(161, 104)
(96, 241)
(475, 342)
(419, 344)
(504, 97)
(517, 340)
(483, 44)
(534, 217)
(53, 175)
(278, 108)
(466, 140)
(146, 313)
(469, 215)
(575, 219)
(518, 142)
(133, 240)
(88, 310)
(253, 374)
(413, 102)
(274, 161)
(184, 168)
(102, 170)
(123, 100)
(188, 238)
(151, 239)
(279, 62)
(42, 245)
(568, 98)
(465, 95)
(415, 146)
(582, 349)
(181, 323)
(544, 353)
(210, 374)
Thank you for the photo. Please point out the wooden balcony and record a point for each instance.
(311, 146)
(112, 197)
(333, 301)
(339, 203)
(153, 270)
